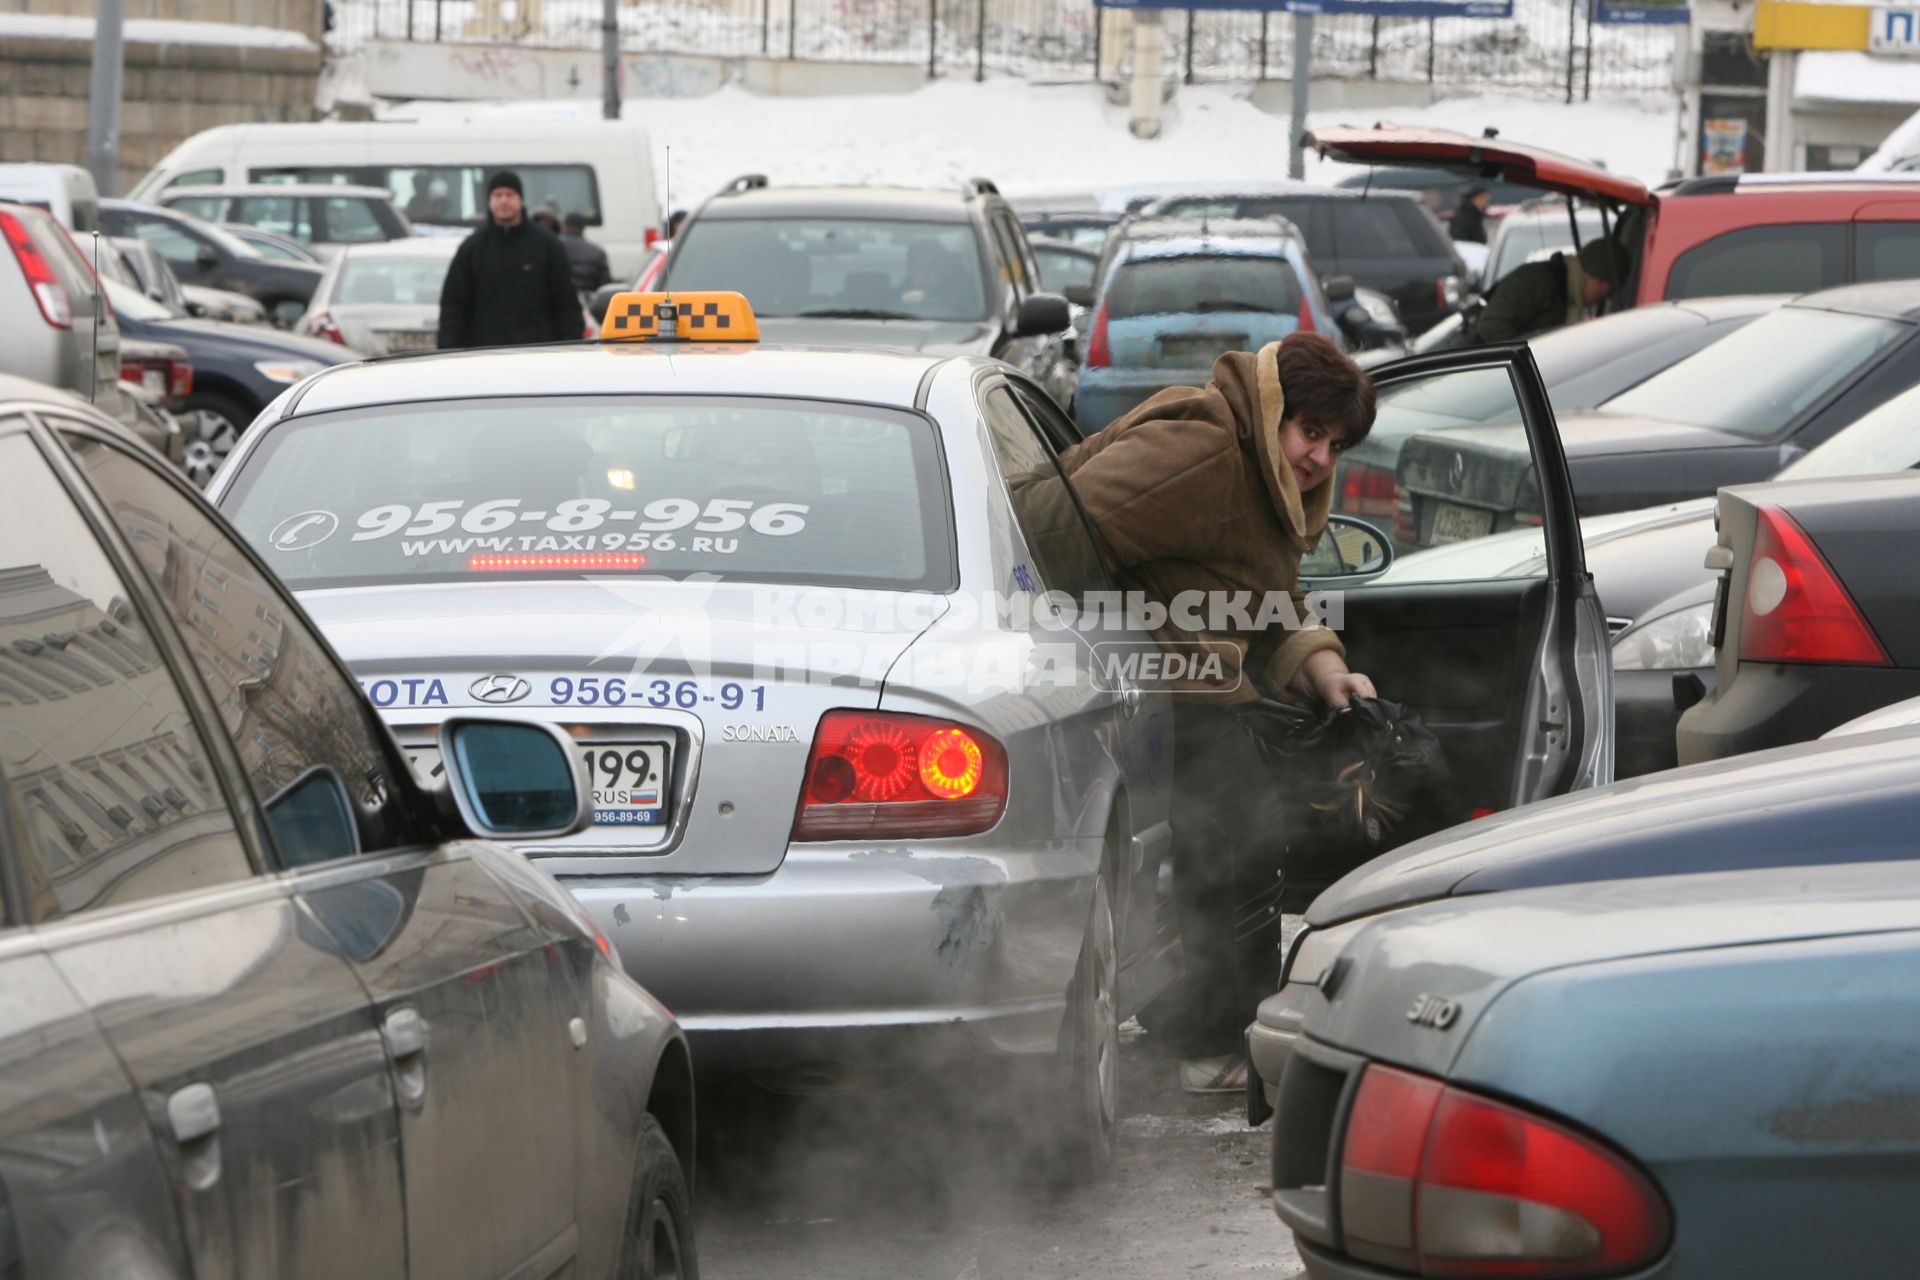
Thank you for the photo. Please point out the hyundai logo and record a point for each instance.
(499, 688)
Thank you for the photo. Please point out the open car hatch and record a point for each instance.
(1516, 162)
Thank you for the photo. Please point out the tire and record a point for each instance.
(212, 424)
(1086, 1072)
(658, 1243)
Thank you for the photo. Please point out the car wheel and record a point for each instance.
(658, 1244)
(212, 423)
(1086, 1071)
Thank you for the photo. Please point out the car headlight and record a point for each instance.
(1679, 641)
(287, 370)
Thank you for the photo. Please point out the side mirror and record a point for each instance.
(602, 299)
(1080, 295)
(1348, 547)
(514, 778)
(1042, 313)
(206, 258)
(1337, 288)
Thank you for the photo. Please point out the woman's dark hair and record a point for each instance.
(1321, 382)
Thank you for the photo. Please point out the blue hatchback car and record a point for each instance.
(1173, 296)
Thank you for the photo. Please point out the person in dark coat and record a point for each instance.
(1545, 295)
(509, 282)
(1469, 220)
(589, 260)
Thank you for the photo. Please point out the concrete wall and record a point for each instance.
(468, 72)
(170, 91)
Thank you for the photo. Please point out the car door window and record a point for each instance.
(1886, 251)
(103, 762)
(1786, 258)
(349, 221)
(211, 208)
(167, 237)
(1066, 556)
(285, 215)
(308, 741)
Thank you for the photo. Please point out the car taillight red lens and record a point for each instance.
(881, 774)
(1796, 608)
(55, 307)
(1099, 354)
(1368, 491)
(179, 378)
(1439, 1180)
(653, 233)
(324, 326)
(1306, 317)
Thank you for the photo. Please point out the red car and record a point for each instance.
(1745, 233)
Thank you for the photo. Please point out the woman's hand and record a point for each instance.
(1337, 686)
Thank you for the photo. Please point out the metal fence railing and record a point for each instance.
(1547, 46)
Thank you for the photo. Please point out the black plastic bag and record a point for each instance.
(1356, 781)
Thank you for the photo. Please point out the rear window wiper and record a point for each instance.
(854, 313)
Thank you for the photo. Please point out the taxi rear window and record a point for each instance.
(785, 491)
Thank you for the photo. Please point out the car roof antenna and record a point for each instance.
(99, 301)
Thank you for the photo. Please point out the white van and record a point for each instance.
(438, 172)
(64, 190)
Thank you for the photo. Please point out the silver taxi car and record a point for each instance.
(859, 789)
(268, 1007)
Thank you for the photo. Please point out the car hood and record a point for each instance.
(250, 341)
(930, 337)
(1597, 434)
(1841, 800)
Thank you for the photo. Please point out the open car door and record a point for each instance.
(1492, 633)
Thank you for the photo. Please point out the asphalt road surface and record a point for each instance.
(921, 1183)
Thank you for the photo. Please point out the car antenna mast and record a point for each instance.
(666, 177)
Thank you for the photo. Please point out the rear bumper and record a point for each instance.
(1771, 705)
(838, 956)
(1102, 395)
(1275, 1031)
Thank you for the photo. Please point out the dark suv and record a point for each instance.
(1383, 240)
(946, 272)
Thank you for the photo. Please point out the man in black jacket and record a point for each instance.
(509, 281)
(590, 269)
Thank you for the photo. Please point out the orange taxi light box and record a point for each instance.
(712, 316)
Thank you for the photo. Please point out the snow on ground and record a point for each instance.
(30, 26)
(1033, 138)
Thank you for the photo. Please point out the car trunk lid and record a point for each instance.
(721, 683)
(1483, 157)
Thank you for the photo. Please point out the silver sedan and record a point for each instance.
(861, 799)
(381, 298)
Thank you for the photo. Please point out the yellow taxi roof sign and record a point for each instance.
(713, 316)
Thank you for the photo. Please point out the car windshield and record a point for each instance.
(567, 487)
(1881, 440)
(388, 279)
(836, 266)
(1754, 382)
(228, 241)
(1190, 285)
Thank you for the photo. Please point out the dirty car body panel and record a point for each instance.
(1747, 1040)
(776, 954)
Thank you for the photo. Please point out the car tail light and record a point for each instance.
(653, 233)
(585, 562)
(1448, 292)
(1099, 354)
(1796, 608)
(325, 327)
(179, 379)
(55, 307)
(880, 774)
(1439, 1180)
(1305, 315)
(1368, 491)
